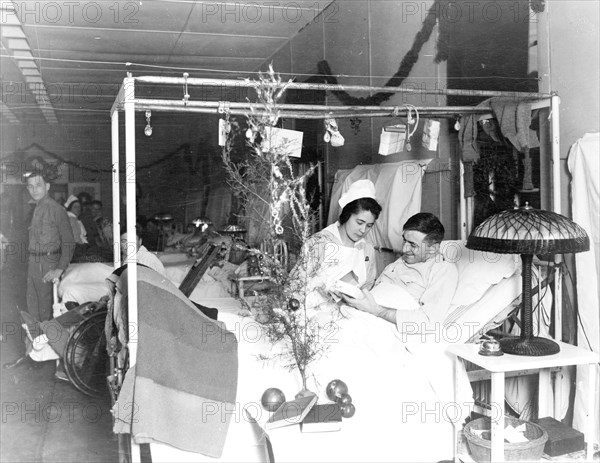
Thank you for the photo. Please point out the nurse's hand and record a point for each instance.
(52, 276)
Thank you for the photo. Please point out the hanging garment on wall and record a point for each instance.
(514, 118)
(584, 166)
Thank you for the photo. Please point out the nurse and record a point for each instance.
(340, 251)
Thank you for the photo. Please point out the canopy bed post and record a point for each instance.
(464, 232)
(126, 101)
(116, 200)
(130, 191)
(130, 178)
(556, 207)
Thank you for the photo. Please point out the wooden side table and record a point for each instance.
(498, 366)
(258, 282)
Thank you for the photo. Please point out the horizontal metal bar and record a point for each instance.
(205, 82)
(323, 112)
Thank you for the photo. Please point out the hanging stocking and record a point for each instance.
(527, 182)
(332, 133)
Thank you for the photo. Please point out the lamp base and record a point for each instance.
(533, 346)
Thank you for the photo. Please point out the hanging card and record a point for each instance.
(224, 128)
(431, 133)
(284, 139)
(392, 139)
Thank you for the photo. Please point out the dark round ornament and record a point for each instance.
(335, 389)
(272, 399)
(348, 410)
(344, 399)
(293, 304)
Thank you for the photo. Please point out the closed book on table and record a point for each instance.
(562, 439)
(323, 418)
(291, 412)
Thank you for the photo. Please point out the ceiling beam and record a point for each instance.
(15, 43)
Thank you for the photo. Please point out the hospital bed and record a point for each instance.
(78, 335)
(401, 384)
(386, 377)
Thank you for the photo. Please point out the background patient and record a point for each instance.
(140, 254)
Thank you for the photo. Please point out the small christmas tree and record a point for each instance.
(269, 189)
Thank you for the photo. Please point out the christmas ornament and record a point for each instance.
(335, 389)
(293, 304)
(348, 410)
(272, 399)
(344, 399)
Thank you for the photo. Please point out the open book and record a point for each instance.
(348, 285)
(291, 412)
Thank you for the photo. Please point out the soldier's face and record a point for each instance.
(37, 187)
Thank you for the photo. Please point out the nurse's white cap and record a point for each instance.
(359, 189)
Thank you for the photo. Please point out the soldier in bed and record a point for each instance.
(422, 272)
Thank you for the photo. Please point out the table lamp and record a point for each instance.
(237, 232)
(528, 231)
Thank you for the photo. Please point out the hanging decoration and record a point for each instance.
(355, 124)
(332, 133)
(408, 61)
(184, 149)
(394, 138)
(438, 13)
(148, 128)
(411, 121)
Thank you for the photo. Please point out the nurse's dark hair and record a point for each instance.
(428, 224)
(359, 205)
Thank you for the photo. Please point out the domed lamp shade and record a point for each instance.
(528, 231)
(236, 232)
(163, 217)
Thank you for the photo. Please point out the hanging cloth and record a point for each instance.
(514, 118)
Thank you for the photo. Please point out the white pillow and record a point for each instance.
(477, 270)
(393, 297)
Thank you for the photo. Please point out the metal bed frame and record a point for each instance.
(129, 103)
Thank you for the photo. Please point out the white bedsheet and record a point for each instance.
(84, 282)
(87, 281)
(404, 399)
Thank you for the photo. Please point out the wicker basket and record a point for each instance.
(481, 448)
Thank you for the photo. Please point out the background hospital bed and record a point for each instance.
(82, 343)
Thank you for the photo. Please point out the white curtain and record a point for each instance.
(398, 190)
(584, 166)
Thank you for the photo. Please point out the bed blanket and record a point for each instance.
(185, 376)
(404, 398)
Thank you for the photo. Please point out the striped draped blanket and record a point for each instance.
(182, 389)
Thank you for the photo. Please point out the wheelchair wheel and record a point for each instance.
(86, 359)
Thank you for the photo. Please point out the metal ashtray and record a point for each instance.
(490, 348)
